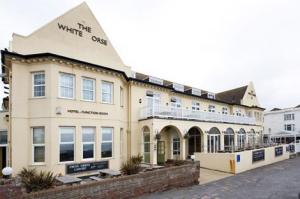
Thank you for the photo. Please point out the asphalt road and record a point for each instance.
(277, 181)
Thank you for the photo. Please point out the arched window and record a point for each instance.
(229, 140)
(213, 140)
(241, 139)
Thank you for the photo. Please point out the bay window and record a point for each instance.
(107, 142)
(66, 144)
(66, 86)
(88, 89)
(107, 92)
(38, 80)
(88, 142)
(38, 144)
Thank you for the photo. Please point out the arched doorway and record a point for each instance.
(213, 140)
(229, 140)
(169, 144)
(194, 140)
(146, 144)
(241, 139)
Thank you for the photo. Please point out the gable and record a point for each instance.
(76, 34)
(250, 97)
(232, 96)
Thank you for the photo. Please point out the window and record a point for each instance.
(289, 127)
(211, 95)
(107, 142)
(225, 111)
(153, 99)
(121, 142)
(107, 92)
(88, 142)
(38, 144)
(66, 86)
(176, 102)
(211, 108)
(88, 89)
(66, 144)
(290, 116)
(238, 112)
(176, 146)
(147, 147)
(121, 97)
(3, 137)
(38, 80)
(195, 106)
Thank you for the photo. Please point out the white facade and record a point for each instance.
(282, 120)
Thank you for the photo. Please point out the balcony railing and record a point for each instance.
(185, 114)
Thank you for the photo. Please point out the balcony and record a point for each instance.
(185, 114)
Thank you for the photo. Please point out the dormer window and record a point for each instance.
(178, 87)
(211, 96)
(156, 80)
(196, 91)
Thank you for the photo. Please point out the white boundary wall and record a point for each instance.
(228, 162)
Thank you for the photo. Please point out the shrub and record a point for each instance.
(175, 162)
(35, 181)
(132, 166)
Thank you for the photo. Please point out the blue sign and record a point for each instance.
(238, 158)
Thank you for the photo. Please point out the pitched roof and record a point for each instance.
(276, 109)
(233, 95)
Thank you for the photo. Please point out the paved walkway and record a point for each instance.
(277, 181)
(207, 175)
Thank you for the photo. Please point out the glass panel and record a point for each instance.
(39, 154)
(88, 151)
(38, 136)
(107, 92)
(67, 134)
(106, 150)
(66, 152)
(147, 147)
(88, 134)
(147, 137)
(107, 134)
(3, 137)
(66, 85)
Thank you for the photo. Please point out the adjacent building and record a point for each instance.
(282, 125)
(73, 105)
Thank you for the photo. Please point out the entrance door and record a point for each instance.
(160, 152)
(213, 142)
(3, 158)
(194, 144)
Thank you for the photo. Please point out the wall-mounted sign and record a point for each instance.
(258, 155)
(89, 166)
(81, 31)
(87, 112)
(238, 158)
(278, 151)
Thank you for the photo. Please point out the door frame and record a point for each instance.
(161, 156)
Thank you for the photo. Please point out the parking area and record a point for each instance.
(280, 180)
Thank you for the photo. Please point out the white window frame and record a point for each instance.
(195, 106)
(83, 143)
(59, 85)
(33, 85)
(121, 142)
(74, 146)
(177, 104)
(225, 111)
(111, 94)
(38, 145)
(211, 108)
(112, 142)
(178, 142)
(94, 89)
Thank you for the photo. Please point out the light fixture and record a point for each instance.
(7, 171)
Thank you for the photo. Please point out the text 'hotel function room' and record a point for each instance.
(73, 106)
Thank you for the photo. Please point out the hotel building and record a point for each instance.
(72, 101)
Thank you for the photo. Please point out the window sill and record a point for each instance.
(65, 98)
(38, 164)
(107, 103)
(67, 162)
(33, 98)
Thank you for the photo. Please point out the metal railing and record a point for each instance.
(185, 114)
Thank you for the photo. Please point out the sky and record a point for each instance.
(213, 45)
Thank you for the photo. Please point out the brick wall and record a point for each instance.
(128, 186)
